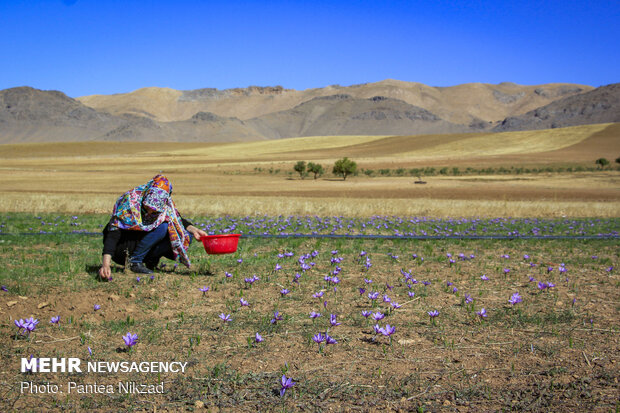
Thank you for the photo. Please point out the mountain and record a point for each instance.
(462, 104)
(601, 105)
(345, 115)
(389, 107)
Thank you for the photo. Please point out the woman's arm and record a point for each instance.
(196, 232)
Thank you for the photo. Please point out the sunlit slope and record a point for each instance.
(421, 146)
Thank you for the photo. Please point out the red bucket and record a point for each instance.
(221, 243)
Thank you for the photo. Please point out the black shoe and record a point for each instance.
(139, 268)
(151, 265)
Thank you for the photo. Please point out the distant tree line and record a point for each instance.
(346, 167)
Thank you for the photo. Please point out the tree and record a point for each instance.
(316, 169)
(344, 167)
(300, 168)
(602, 162)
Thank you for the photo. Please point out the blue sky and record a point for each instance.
(84, 47)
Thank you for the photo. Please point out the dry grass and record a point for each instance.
(354, 207)
(221, 178)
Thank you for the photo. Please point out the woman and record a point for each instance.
(145, 226)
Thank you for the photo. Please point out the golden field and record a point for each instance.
(241, 178)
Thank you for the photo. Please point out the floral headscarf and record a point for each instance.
(145, 207)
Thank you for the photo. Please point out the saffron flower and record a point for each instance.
(130, 339)
(243, 302)
(225, 317)
(482, 313)
(506, 270)
(284, 291)
(378, 316)
(411, 294)
(433, 313)
(258, 338)
(286, 384)
(484, 277)
(395, 305)
(96, 307)
(318, 338)
(55, 320)
(468, 299)
(318, 294)
(204, 289)
(373, 295)
(362, 291)
(387, 331)
(314, 315)
(330, 340)
(386, 299)
(366, 314)
(3, 288)
(276, 317)
(333, 321)
(367, 281)
(515, 299)
(227, 274)
(278, 267)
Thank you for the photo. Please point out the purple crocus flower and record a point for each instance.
(258, 338)
(515, 299)
(278, 267)
(286, 384)
(138, 279)
(330, 340)
(314, 315)
(454, 290)
(333, 321)
(244, 302)
(3, 288)
(227, 274)
(387, 331)
(386, 299)
(367, 281)
(276, 317)
(484, 277)
(55, 320)
(468, 299)
(378, 316)
(426, 283)
(433, 313)
(362, 291)
(318, 294)
(373, 295)
(130, 339)
(411, 294)
(506, 270)
(90, 351)
(395, 305)
(366, 314)
(225, 317)
(284, 291)
(96, 307)
(482, 313)
(318, 338)
(204, 289)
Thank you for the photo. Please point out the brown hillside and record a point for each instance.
(473, 102)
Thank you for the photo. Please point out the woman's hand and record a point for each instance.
(105, 272)
(197, 233)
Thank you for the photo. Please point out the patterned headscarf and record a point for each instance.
(145, 207)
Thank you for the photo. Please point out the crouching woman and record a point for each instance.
(146, 226)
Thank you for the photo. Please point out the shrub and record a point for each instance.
(602, 162)
(316, 169)
(344, 167)
(300, 168)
